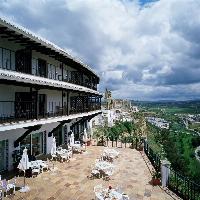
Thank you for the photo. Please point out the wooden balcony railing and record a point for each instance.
(12, 111)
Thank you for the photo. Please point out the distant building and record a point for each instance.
(159, 122)
(134, 109)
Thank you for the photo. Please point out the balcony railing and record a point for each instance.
(12, 111)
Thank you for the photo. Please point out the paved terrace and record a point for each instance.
(69, 181)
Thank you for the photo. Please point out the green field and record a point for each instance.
(187, 107)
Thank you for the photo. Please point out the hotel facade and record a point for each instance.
(44, 92)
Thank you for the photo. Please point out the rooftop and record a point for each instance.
(22, 33)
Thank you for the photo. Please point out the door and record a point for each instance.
(23, 60)
(42, 104)
(42, 68)
(26, 105)
(3, 156)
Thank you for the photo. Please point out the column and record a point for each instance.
(165, 172)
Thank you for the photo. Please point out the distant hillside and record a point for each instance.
(190, 106)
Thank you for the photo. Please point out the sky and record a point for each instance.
(141, 49)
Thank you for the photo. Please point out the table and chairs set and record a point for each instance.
(7, 186)
(62, 154)
(38, 166)
(109, 193)
(109, 154)
(103, 167)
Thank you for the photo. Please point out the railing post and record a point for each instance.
(125, 142)
(132, 143)
(165, 172)
(112, 141)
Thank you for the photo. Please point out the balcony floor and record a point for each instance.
(69, 182)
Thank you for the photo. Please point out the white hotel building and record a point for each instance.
(44, 92)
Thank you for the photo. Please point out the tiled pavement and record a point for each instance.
(69, 180)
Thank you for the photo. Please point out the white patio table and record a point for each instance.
(103, 165)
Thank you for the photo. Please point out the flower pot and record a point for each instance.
(88, 143)
(156, 181)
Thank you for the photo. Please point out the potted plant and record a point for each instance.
(156, 176)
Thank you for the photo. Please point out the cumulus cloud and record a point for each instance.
(141, 51)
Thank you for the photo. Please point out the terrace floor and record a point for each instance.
(70, 182)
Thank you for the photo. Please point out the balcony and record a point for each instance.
(15, 111)
(22, 61)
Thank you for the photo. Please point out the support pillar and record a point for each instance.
(165, 172)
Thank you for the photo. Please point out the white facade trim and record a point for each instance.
(23, 124)
(26, 78)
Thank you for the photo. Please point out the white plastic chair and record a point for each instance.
(125, 197)
(95, 173)
(35, 169)
(1, 194)
(54, 156)
(12, 185)
(98, 188)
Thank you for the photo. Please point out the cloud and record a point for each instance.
(143, 51)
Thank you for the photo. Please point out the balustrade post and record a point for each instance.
(112, 141)
(165, 172)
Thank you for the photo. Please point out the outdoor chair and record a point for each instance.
(54, 156)
(35, 170)
(59, 149)
(6, 186)
(1, 194)
(95, 173)
(12, 184)
(64, 156)
(98, 189)
(44, 165)
(69, 152)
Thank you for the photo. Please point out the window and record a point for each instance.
(37, 143)
(1, 58)
(34, 66)
(58, 135)
(51, 71)
(13, 60)
(42, 68)
(26, 143)
(34, 143)
(3, 155)
(6, 59)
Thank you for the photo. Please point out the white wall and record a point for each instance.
(54, 69)
(11, 136)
